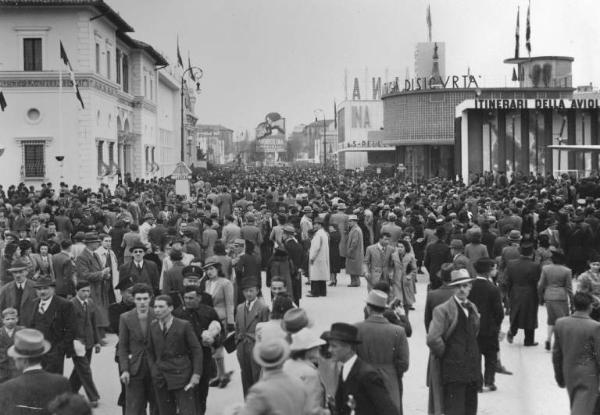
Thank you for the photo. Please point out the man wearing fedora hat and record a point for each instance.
(339, 219)
(454, 363)
(249, 313)
(361, 389)
(383, 345)
(32, 391)
(140, 270)
(522, 276)
(306, 223)
(298, 258)
(319, 260)
(355, 252)
(89, 268)
(20, 293)
(277, 392)
(54, 316)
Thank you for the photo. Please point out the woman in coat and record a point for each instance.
(221, 291)
(355, 252)
(318, 255)
(405, 273)
(556, 290)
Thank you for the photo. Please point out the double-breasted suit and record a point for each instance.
(133, 352)
(522, 276)
(245, 333)
(175, 355)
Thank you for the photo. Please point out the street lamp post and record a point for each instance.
(194, 73)
(324, 136)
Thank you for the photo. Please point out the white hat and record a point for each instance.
(305, 339)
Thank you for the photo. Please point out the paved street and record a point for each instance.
(531, 390)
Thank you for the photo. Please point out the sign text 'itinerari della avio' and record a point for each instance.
(513, 104)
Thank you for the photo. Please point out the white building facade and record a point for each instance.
(129, 125)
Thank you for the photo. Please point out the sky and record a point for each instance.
(290, 56)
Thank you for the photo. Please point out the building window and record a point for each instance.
(145, 86)
(33, 159)
(118, 66)
(108, 64)
(32, 54)
(125, 73)
(151, 89)
(153, 161)
(147, 159)
(100, 149)
(97, 57)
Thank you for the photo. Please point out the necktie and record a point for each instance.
(164, 329)
(42, 307)
(85, 306)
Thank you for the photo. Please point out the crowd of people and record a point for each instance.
(180, 281)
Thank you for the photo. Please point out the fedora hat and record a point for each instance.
(271, 353)
(305, 339)
(28, 343)
(353, 217)
(295, 319)
(149, 216)
(250, 282)
(319, 220)
(210, 264)
(289, 229)
(91, 237)
(343, 332)
(44, 282)
(377, 298)
(515, 236)
(307, 209)
(138, 245)
(19, 265)
(459, 276)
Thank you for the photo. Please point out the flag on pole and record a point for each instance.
(334, 115)
(528, 32)
(65, 59)
(190, 68)
(517, 36)
(179, 60)
(2, 101)
(429, 21)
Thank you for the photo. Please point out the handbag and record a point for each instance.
(230, 343)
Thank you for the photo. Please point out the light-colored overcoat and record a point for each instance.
(319, 256)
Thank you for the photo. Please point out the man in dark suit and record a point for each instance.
(436, 254)
(64, 269)
(360, 388)
(486, 296)
(134, 366)
(522, 276)
(297, 255)
(32, 391)
(200, 317)
(176, 356)
(439, 295)
(87, 340)
(20, 293)
(54, 317)
(140, 270)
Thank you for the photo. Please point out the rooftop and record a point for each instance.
(103, 8)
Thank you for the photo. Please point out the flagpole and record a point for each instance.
(60, 117)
